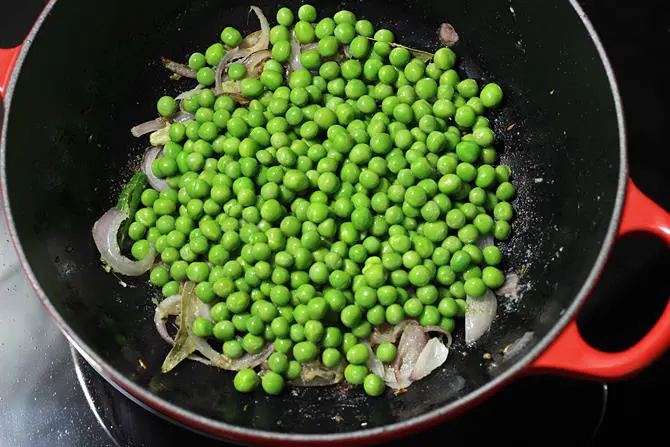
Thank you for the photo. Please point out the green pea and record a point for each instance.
(272, 383)
(331, 357)
(491, 95)
(305, 351)
(386, 352)
(355, 374)
(246, 380)
(307, 13)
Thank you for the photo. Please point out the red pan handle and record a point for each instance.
(570, 355)
(8, 58)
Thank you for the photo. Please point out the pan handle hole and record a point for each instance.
(630, 295)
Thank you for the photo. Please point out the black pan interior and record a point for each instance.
(93, 71)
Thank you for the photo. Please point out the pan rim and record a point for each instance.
(210, 426)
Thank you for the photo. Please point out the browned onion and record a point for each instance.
(448, 34)
(148, 127)
(246, 48)
(180, 69)
(315, 374)
(255, 62)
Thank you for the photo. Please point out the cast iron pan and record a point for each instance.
(90, 70)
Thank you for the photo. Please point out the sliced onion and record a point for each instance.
(294, 61)
(105, 231)
(441, 330)
(387, 332)
(374, 364)
(309, 46)
(315, 374)
(221, 361)
(255, 62)
(263, 41)
(484, 241)
(149, 156)
(417, 355)
(181, 117)
(202, 310)
(180, 69)
(250, 40)
(232, 89)
(510, 287)
(479, 313)
(148, 127)
(189, 93)
(170, 306)
(411, 344)
(433, 355)
(232, 56)
(448, 34)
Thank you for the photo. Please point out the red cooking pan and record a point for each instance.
(89, 71)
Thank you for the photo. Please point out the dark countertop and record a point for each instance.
(42, 402)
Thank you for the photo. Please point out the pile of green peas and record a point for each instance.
(343, 197)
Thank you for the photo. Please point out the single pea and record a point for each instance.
(460, 261)
(465, 116)
(386, 352)
(413, 307)
(493, 277)
(166, 106)
(246, 380)
(307, 13)
(305, 351)
(170, 288)
(285, 16)
(373, 385)
(492, 255)
(491, 95)
(364, 28)
(395, 313)
(444, 58)
(503, 211)
(344, 32)
(196, 61)
(351, 315)
(272, 383)
(430, 316)
(475, 287)
(159, 276)
(448, 307)
(331, 357)
(328, 46)
(233, 349)
(224, 330)
(304, 32)
(205, 76)
(140, 249)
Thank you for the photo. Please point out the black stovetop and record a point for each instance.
(49, 396)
